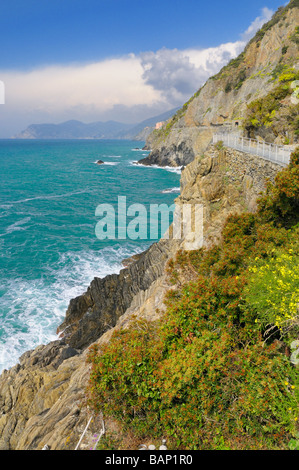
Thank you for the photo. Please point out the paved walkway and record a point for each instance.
(274, 153)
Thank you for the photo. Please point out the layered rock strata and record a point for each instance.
(97, 310)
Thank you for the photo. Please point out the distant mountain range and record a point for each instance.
(96, 130)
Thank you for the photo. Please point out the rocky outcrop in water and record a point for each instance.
(174, 156)
(42, 397)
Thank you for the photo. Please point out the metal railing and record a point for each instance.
(275, 153)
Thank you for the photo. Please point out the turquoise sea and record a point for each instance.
(49, 251)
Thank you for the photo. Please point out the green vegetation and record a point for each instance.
(271, 111)
(237, 61)
(261, 112)
(237, 82)
(274, 290)
(284, 50)
(229, 69)
(277, 17)
(215, 371)
(295, 36)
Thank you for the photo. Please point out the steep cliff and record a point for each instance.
(42, 399)
(268, 65)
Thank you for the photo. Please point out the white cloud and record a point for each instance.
(150, 82)
(178, 74)
(100, 85)
(84, 92)
(257, 24)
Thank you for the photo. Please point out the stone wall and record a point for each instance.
(225, 181)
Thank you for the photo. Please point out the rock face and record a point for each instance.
(175, 156)
(96, 311)
(222, 103)
(42, 398)
(31, 391)
(224, 181)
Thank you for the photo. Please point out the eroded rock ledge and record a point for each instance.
(97, 310)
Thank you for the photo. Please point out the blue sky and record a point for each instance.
(114, 59)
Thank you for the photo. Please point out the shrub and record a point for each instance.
(284, 50)
(262, 111)
(295, 36)
(280, 203)
(273, 291)
(228, 87)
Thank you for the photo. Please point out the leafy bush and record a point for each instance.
(280, 203)
(228, 87)
(262, 111)
(274, 291)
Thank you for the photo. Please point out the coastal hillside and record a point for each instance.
(252, 94)
(198, 347)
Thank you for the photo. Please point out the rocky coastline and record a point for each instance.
(174, 156)
(42, 398)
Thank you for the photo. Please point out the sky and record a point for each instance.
(122, 60)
